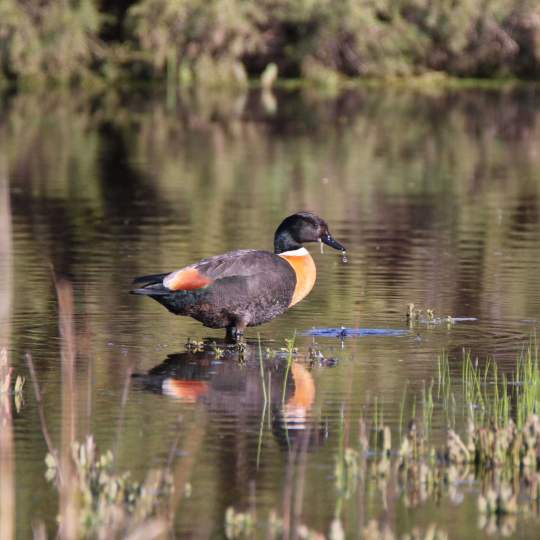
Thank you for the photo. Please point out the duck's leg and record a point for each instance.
(231, 335)
(235, 332)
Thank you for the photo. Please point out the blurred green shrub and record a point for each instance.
(51, 39)
(220, 41)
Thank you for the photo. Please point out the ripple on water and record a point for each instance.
(343, 332)
(423, 219)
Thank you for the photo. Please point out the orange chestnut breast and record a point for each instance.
(306, 273)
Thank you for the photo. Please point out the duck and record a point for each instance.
(246, 287)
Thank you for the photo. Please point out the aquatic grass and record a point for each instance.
(402, 407)
(290, 350)
(7, 384)
(265, 395)
(527, 383)
(471, 380)
(501, 444)
(6, 372)
(265, 403)
(109, 501)
(494, 451)
(238, 524)
(445, 386)
(218, 351)
(443, 375)
(500, 397)
(427, 405)
(378, 414)
(70, 507)
(346, 464)
(41, 412)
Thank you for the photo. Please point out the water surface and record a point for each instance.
(436, 197)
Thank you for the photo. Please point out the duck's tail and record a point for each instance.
(151, 291)
(152, 285)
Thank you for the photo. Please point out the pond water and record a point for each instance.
(436, 197)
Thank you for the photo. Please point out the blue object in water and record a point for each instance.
(343, 332)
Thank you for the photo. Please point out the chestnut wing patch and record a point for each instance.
(189, 391)
(186, 279)
(244, 263)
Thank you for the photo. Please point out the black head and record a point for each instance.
(300, 228)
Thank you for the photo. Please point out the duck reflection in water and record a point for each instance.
(231, 385)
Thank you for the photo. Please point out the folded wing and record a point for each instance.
(241, 263)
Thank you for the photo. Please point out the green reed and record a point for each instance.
(495, 395)
(444, 379)
(501, 441)
(427, 405)
(527, 383)
(402, 408)
(290, 349)
(472, 381)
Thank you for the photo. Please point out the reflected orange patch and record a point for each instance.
(304, 388)
(306, 274)
(187, 280)
(189, 391)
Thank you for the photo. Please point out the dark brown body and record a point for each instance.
(253, 287)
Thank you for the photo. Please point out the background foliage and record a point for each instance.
(211, 41)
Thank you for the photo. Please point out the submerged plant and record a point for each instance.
(218, 351)
(193, 345)
(426, 316)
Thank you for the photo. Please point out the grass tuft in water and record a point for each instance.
(7, 386)
(238, 524)
(6, 377)
(499, 397)
(110, 503)
(496, 446)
